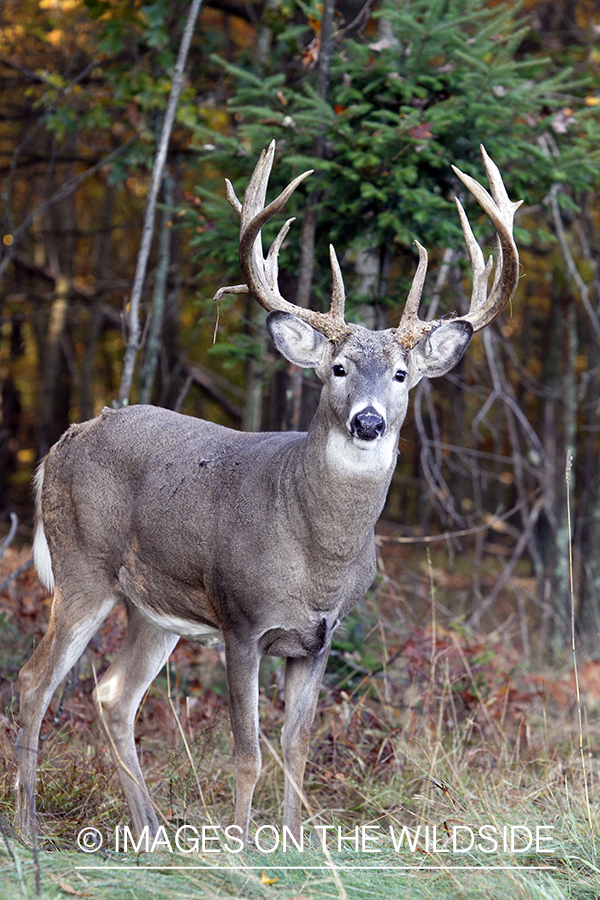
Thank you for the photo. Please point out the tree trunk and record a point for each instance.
(157, 311)
(49, 376)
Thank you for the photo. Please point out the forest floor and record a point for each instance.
(446, 762)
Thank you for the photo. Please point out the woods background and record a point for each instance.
(379, 98)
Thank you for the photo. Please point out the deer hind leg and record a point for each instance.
(140, 658)
(73, 620)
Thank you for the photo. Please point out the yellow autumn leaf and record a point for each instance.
(60, 5)
(592, 101)
(266, 880)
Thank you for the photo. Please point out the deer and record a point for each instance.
(261, 542)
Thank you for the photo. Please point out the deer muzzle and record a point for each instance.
(368, 424)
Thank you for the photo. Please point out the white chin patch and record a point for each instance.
(349, 455)
(365, 445)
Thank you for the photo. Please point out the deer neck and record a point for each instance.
(339, 489)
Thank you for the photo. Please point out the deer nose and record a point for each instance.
(367, 424)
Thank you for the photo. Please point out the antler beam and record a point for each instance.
(482, 309)
(262, 274)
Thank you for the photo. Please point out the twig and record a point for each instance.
(64, 92)
(6, 841)
(509, 568)
(14, 521)
(569, 462)
(432, 462)
(63, 191)
(359, 22)
(16, 574)
(571, 265)
(433, 627)
(464, 532)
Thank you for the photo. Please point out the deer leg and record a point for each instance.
(242, 680)
(73, 621)
(303, 676)
(138, 661)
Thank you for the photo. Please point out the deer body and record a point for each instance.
(262, 542)
(195, 552)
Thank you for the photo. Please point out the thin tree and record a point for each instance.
(133, 342)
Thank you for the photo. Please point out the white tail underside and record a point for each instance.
(41, 551)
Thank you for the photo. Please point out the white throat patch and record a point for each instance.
(349, 455)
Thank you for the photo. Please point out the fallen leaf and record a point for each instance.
(266, 880)
(65, 886)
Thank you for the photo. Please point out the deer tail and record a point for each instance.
(41, 551)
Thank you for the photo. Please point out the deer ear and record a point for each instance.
(442, 348)
(297, 340)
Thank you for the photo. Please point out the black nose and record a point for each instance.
(368, 424)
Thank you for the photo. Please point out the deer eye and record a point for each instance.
(400, 375)
(339, 371)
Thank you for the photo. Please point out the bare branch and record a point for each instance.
(67, 188)
(14, 522)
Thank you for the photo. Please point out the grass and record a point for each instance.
(421, 726)
(349, 873)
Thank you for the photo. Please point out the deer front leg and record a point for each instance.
(303, 676)
(242, 678)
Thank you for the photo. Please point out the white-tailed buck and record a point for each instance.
(262, 542)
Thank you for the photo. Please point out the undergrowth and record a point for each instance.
(432, 728)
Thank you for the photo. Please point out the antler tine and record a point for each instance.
(481, 270)
(411, 328)
(500, 209)
(261, 274)
(338, 295)
(411, 308)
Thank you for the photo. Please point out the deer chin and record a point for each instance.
(366, 446)
(347, 454)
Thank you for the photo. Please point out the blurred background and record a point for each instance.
(379, 98)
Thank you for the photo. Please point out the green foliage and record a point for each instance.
(125, 88)
(121, 22)
(443, 78)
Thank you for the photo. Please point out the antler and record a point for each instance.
(482, 309)
(260, 273)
